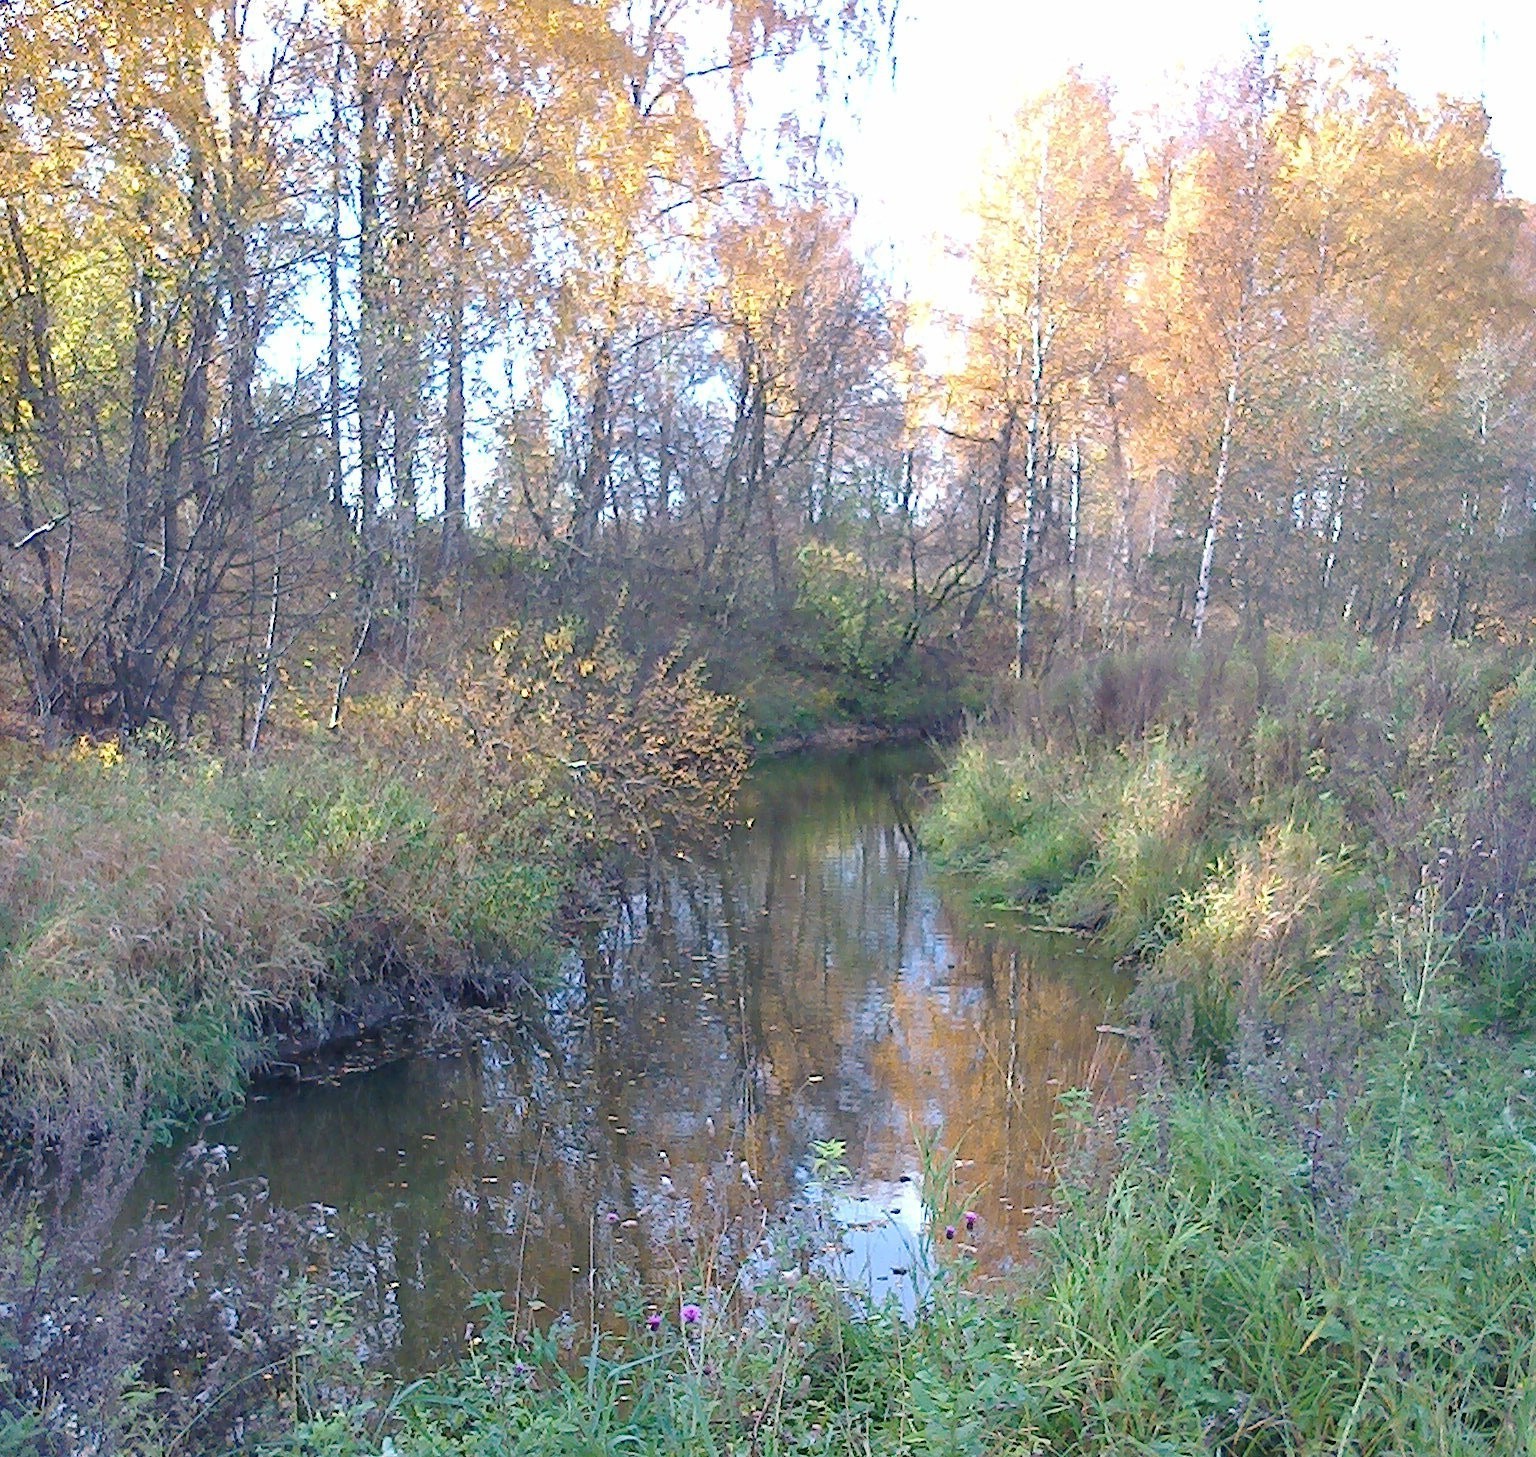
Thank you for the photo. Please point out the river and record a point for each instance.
(813, 980)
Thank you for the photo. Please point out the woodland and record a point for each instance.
(275, 283)
(441, 441)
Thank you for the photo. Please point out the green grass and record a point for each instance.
(1019, 827)
(159, 915)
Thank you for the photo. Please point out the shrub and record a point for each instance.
(632, 751)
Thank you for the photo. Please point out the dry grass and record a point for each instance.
(157, 917)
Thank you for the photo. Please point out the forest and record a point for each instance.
(278, 285)
(445, 444)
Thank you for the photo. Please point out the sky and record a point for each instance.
(964, 66)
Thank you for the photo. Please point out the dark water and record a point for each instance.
(814, 981)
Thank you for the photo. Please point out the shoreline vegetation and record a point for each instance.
(1311, 1230)
(439, 441)
(172, 918)
(174, 922)
(1319, 856)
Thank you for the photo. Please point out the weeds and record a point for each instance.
(1238, 823)
(163, 916)
(112, 1339)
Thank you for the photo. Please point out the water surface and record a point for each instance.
(814, 980)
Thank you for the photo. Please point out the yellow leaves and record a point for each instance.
(106, 754)
(1057, 219)
(630, 751)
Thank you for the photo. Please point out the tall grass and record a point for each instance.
(161, 915)
(1239, 821)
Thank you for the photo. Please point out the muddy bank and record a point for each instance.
(375, 1010)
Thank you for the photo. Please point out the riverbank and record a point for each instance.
(1311, 1231)
(1322, 860)
(173, 922)
(1233, 1288)
(1250, 830)
(172, 917)
(843, 737)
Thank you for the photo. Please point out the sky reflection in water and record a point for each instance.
(814, 981)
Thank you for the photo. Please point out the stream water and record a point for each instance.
(814, 980)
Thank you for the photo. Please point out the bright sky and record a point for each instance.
(963, 66)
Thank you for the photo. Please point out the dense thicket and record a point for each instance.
(333, 338)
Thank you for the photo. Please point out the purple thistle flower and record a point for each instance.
(691, 1314)
(949, 1231)
(970, 1220)
(653, 1322)
(611, 1217)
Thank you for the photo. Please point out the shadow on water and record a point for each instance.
(813, 981)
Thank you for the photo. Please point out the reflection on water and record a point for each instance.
(814, 981)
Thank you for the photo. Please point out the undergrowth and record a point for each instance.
(165, 911)
(1282, 1267)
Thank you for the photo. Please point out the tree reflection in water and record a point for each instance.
(813, 980)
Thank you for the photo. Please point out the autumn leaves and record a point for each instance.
(1268, 340)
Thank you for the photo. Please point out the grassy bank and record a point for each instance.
(165, 919)
(170, 915)
(1246, 826)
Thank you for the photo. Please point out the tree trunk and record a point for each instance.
(1218, 490)
(1074, 507)
(369, 351)
(996, 521)
(333, 279)
(453, 409)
